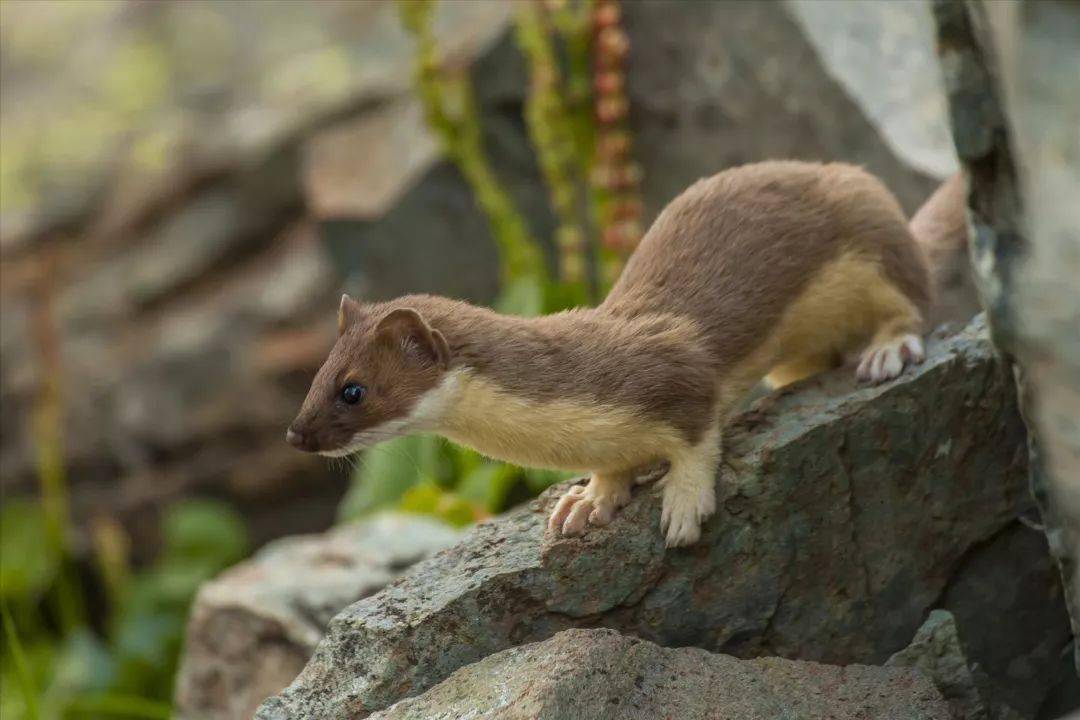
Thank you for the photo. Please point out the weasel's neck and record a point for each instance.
(655, 368)
(540, 357)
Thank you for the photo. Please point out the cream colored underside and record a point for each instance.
(564, 434)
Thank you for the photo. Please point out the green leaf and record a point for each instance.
(204, 531)
(563, 296)
(28, 561)
(386, 473)
(142, 637)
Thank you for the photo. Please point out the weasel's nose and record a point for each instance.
(294, 438)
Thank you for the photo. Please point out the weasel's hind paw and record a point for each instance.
(886, 360)
(584, 505)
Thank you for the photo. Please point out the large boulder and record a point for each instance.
(252, 629)
(1014, 100)
(716, 84)
(601, 675)
(844, 515)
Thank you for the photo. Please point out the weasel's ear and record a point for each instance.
(407, 329)
(347, 314)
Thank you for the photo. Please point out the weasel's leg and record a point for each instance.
(592, 504)
(896, 344)
(690, 490)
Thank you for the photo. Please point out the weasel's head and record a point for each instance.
(383, 379)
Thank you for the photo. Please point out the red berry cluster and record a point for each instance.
(615, 172)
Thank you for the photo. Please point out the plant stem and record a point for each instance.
(552, 135)
(451, 111)
(49, 447)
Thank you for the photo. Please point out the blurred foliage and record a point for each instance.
(85, 636)
(121, 663)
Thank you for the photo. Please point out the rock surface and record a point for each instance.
(252, 629)
(1014, 101)
(716, 84)
(883, 55)
(601, 675)
(844, 516)
(936, 652)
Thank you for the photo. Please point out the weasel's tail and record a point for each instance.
(940, 226)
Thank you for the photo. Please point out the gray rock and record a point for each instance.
(844, 514)
(937, 653)
(1014, 98)
(1012, 575)
(883, 54)
(716, 84)
(601, 675)
(252, 629)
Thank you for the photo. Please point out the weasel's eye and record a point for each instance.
(352, 393)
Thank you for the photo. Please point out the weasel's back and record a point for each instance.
(735, 250)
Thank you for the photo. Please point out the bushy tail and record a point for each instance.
(940, 226)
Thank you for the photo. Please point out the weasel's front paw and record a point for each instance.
(593, 504)
(684, 509)
(886, 360)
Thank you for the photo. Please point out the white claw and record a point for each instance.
(886, 360)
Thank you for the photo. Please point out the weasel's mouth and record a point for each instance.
(369, 437)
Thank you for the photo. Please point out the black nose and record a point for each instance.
(295, 439)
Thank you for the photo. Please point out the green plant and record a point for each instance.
(123, 664)
(450, 107)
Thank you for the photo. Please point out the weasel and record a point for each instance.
(775, 271)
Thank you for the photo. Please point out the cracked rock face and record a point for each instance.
(601, 675)
(845, 515)
(252, 629)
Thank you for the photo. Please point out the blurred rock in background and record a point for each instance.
(253, 629)
(197, 174)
